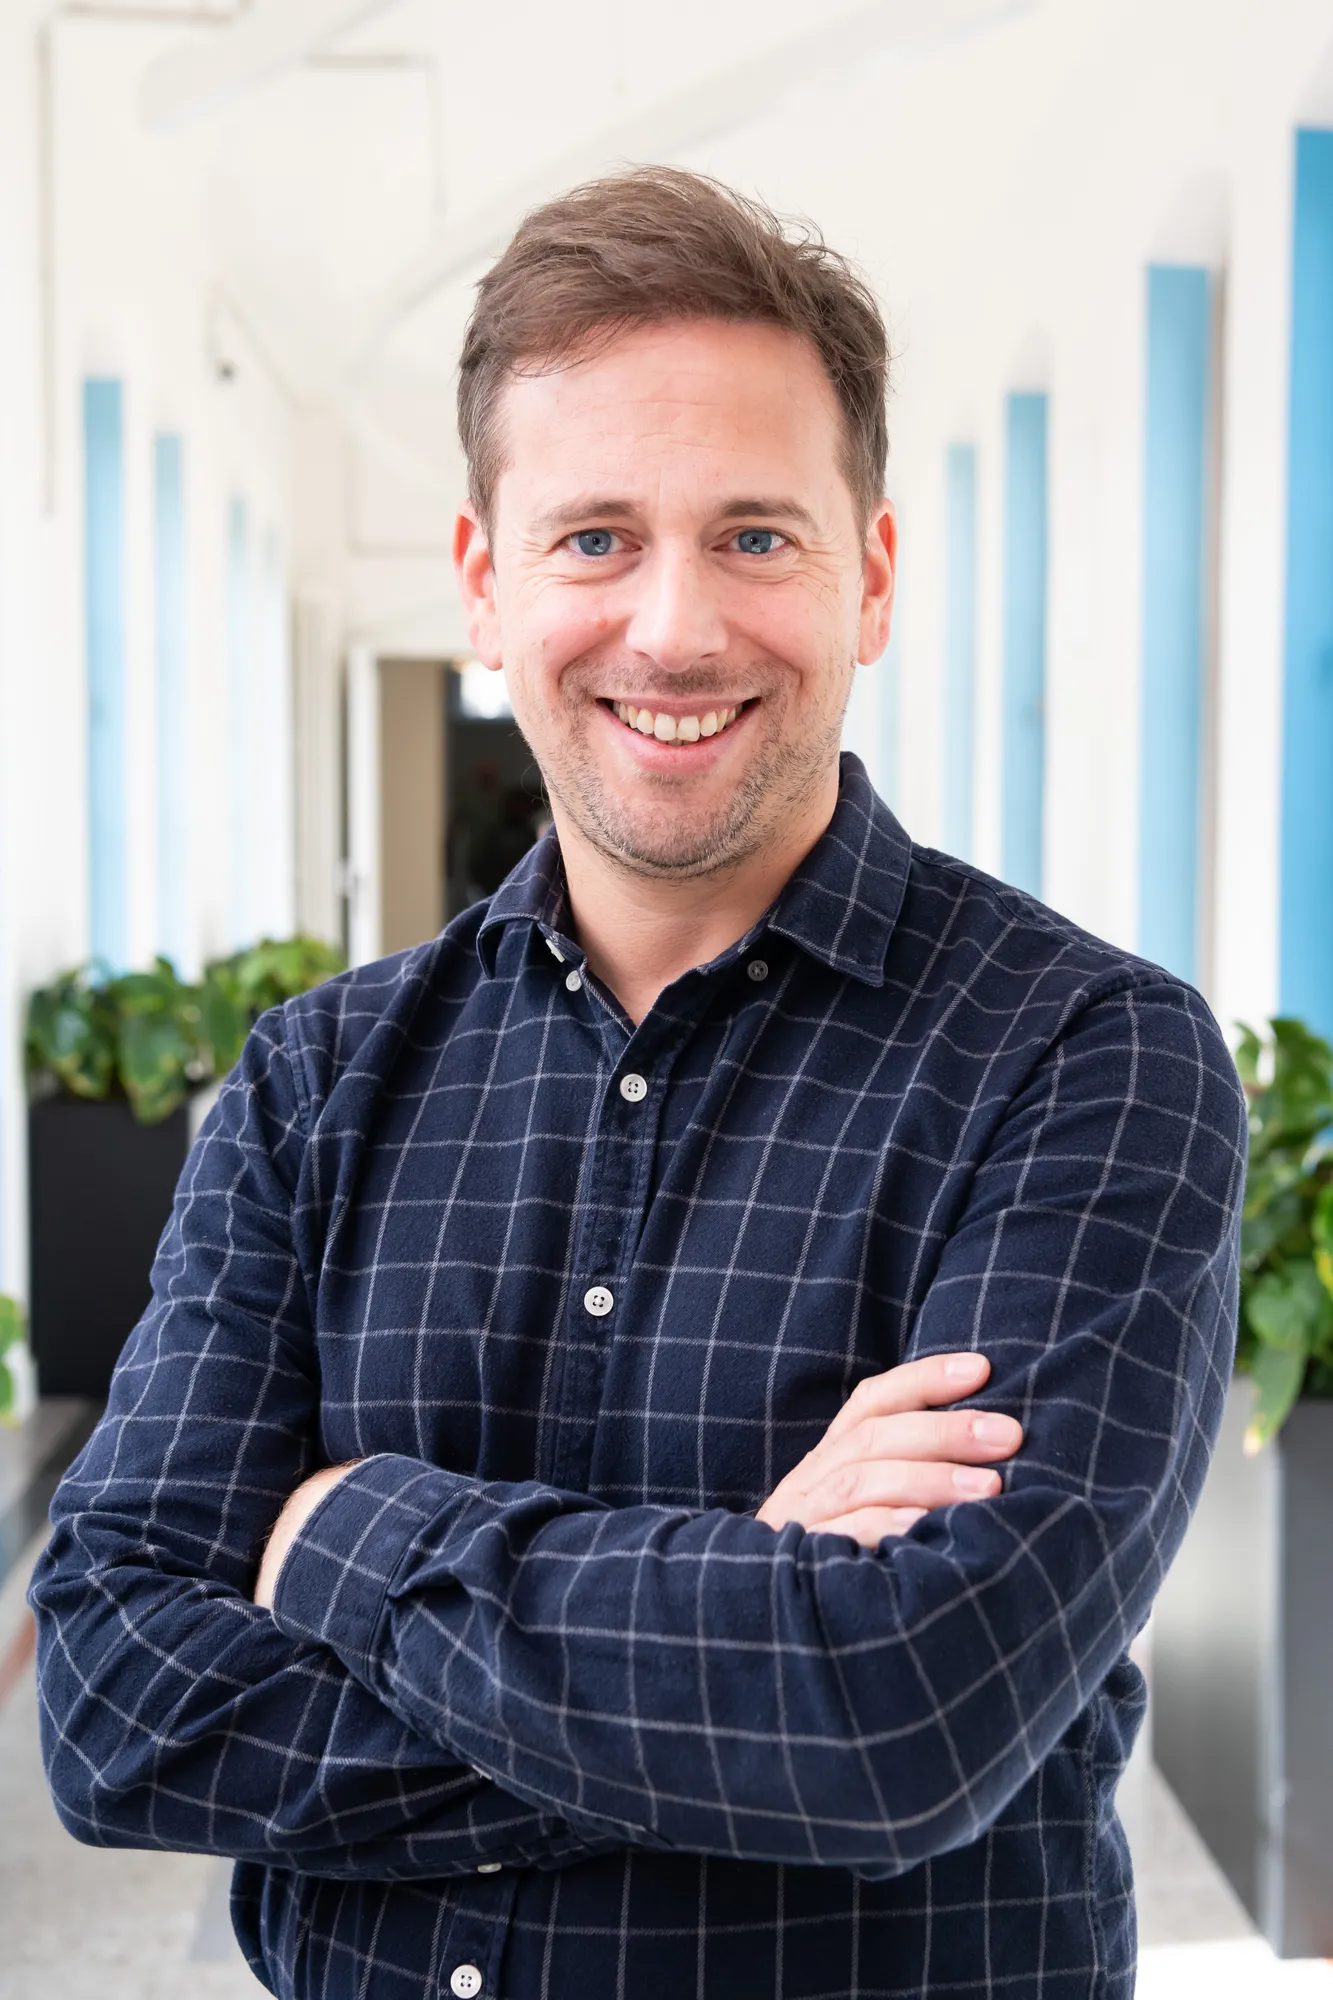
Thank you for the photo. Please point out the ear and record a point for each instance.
(879, 572)
(475, 574)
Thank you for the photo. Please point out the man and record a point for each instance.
(576, 1290)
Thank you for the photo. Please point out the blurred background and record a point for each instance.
(240, 731)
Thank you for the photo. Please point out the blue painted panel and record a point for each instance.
(1306, 930)
(1176, 441)
(104, 646)
(240, 720)
(1025, 540)
(960, 646)
(174, 926)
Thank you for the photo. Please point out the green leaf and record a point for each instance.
(154, 1052)
(1321, 1232)
(1288, 1309)
(1280, 1220)
(224, 1018)
(1301, 1092)
(69, 1035)
(1291, 1316)
(1277, 1375)
(1248, 1050)
(13, 1331)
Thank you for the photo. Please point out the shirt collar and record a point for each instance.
(840, 905)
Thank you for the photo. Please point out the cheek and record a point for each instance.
(552, 629)
(805, 625)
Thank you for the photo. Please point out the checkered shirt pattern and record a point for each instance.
(542, 1711)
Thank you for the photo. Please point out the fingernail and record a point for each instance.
(964, 1367)
(993, 1430)
(971, 1479)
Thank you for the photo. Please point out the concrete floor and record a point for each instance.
(95, 1924)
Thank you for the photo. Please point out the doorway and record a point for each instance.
(497, 805)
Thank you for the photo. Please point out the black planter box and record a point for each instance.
(1242, 1675)
(100, 1190)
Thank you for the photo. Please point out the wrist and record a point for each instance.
(296, 1512)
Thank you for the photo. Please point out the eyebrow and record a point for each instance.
(601, 507)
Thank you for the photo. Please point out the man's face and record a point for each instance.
(678, 590)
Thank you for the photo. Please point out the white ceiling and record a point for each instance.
(358, 162)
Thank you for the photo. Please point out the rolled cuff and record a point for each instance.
(334, 1578)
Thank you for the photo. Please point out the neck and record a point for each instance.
(642, 932)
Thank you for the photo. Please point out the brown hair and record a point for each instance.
(657, 244)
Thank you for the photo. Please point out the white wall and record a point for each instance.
(134, 297)
(1004, 192)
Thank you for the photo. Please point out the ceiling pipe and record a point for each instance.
(197, 78)
(686, 119)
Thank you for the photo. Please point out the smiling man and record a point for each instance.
(529, 1531)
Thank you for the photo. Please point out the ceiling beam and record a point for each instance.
(199, 77)
(676, 124)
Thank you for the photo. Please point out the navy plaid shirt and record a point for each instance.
(542, 1710)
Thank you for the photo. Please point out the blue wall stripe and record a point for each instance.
(1306, 931)
(960, 645)
(1025, 538)
(174, 938)
(239, 716)
(104, 639)
(1179, 355)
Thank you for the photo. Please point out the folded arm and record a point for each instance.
(174, 1712)
(794, 1696)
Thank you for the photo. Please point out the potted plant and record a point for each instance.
(1243, 1630)
(13, 1357)
(112, 1062)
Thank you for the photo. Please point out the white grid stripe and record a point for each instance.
(716, 1761)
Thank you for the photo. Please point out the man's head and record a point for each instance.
(673, 414)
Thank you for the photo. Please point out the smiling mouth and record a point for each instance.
(676, 728)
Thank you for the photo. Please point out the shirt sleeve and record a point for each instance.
(793, 1696)
(174, 1713)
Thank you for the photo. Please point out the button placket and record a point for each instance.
(469, 1964)
(610, 1218)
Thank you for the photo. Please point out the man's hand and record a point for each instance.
(888, 1457)
(289, 1524)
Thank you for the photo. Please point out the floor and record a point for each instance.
(95, 1924)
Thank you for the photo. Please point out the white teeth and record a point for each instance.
(674, 728)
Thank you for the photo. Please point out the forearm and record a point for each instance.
(708, 1684)
(176, 1715)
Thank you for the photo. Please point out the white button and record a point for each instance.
(598, 1301)
(573, 981)
(757, 970)
(489, 1867)
(633, 1089)
(555, 950)
(465, 1981)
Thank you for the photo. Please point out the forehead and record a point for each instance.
(694, 403)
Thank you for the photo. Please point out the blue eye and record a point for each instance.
(594, 541)
(758, 541)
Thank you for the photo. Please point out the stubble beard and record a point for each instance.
(780, 782)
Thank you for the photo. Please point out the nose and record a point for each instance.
(676, 620)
